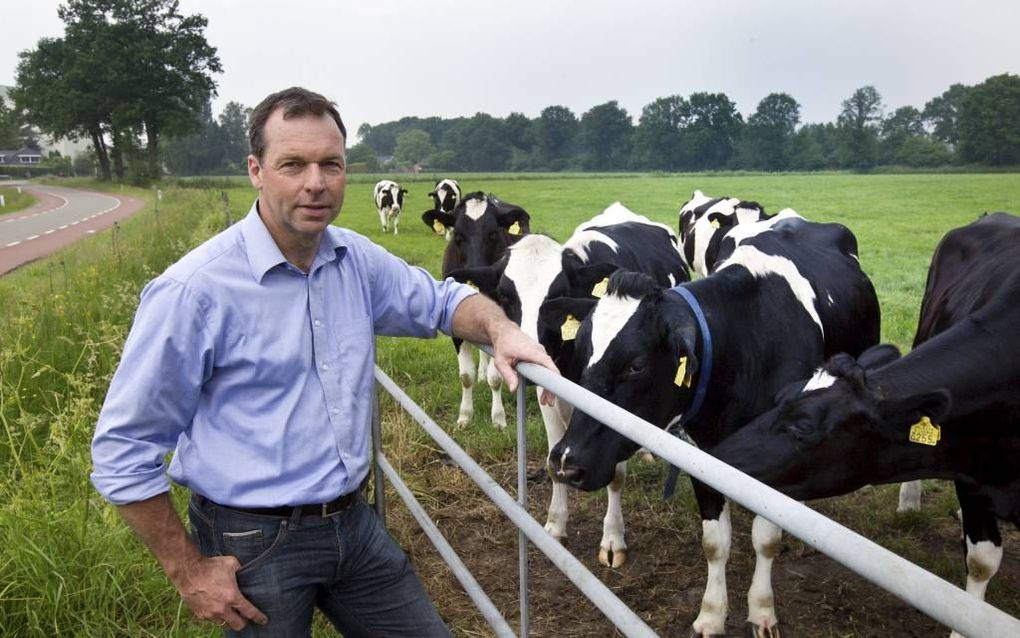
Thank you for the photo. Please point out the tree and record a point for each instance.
(123, 66)
(768, 139)
(476, 144)
(605, 135)
(658, 138)
(234, 126)
(990, 121)
(413, 147)
(858, 124)
(711, 138)
(364, 156)
(9, 128)
(943, 114)
(201, 152)
(554, 132)
(903, 125)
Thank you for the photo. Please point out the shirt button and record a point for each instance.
(317, 323)
(325, 367)
(334, 411)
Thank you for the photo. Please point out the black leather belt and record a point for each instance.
(335, 506)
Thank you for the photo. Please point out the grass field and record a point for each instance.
(67, 565)
(14, 201)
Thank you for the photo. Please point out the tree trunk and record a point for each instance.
(152, 137)
(101, 155)
(117, 152)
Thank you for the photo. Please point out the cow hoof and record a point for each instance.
(696, 634)
(613, 558)
(752, 630)
(463, 422)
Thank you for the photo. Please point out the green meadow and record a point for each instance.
(14, 201)
(69, 566)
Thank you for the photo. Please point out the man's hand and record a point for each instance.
(209, 587)
(479, 319)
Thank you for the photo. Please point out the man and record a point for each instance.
(252, 356)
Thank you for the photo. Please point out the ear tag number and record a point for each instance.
(714, 223)
(682, 379)
(925, 432)
(568, 331)
(438, 227)
(515, 228)
(600, 288)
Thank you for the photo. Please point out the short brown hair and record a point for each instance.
(295, 102)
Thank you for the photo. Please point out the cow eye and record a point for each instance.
(635, 369)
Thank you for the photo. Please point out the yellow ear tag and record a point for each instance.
(600, 288)
(715, 223)
(515, 228)
(568, 331)
(471, 284)
(438, 227)
(681, 378)
(925, 432)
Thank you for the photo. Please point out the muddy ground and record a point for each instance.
(664, 576)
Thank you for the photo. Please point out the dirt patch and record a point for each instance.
(664, 577)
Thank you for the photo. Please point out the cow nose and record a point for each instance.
(562, 471)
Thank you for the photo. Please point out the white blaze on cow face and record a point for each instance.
(534, 262)
(475, 208)
(819, 381)
(761, 265)
(610, 315)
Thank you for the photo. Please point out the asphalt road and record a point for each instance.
(61, 217)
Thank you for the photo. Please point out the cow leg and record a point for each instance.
(555, 417)
(466, 368)
(495, 380)
(716, 537)
(910, 497)
(982, 541)
(396, 221)
(761, 604)
(382, 220)
(613, 548)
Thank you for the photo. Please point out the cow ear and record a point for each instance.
(591, 280)
(403, 191)
(722, 222)
(437, 220)
(895, 414)
(565, 314)
(485, 279)
(514, 219)
(680, 337)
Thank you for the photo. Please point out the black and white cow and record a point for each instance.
(538, 269)
(713, 353)
(389, 199)
(949, 409)
(483, 227)
(446, 195)
(705, 221)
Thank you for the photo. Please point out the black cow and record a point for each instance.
(949, 409)
(538, 269)
(483, 227)
(389, 199)
(713, 353)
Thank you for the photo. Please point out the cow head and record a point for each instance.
(629, 350)
(445, 195)
(835, 432)
(483, 228)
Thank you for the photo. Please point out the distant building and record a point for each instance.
(21, 157)
(66, 148)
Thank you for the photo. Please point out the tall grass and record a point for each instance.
(68, 565)
(15, 201)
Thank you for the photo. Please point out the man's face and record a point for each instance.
(300, 178)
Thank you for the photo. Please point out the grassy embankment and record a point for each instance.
(67, 565)
(15, 201)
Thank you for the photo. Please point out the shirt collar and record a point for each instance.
(264, 254)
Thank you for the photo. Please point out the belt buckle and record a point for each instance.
(338, 504)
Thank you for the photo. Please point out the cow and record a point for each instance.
(948, 409)
(704, 221)
(712, 354)
(446, 195)
(483, 227)
(389, 199)
(537, 269)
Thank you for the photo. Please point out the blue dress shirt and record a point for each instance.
(259, 375)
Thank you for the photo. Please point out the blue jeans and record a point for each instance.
(345, 564)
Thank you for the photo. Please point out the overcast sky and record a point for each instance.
(383, 59)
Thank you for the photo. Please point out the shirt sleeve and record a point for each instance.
(407, 300)
(154, 393)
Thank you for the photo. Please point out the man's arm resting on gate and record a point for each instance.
(207, 585)
(480, 320)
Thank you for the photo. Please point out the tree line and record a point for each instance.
(134, 77)
(964, 125)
